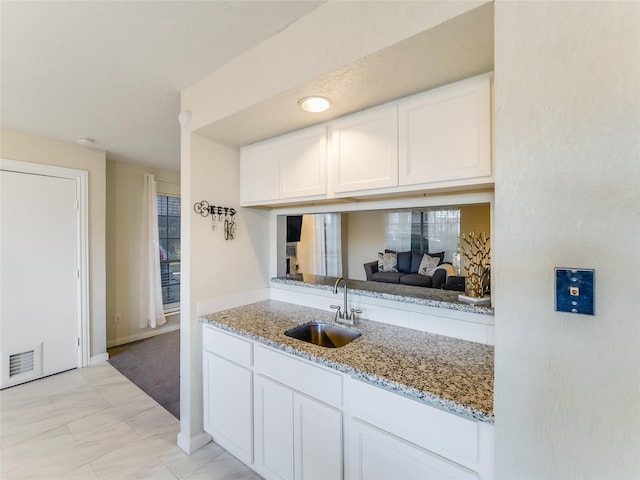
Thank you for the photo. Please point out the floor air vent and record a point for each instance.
(21, 363)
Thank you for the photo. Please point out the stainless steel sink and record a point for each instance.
(323, 334)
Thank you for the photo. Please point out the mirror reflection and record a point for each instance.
(412, 246)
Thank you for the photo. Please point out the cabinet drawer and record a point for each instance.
(227, 345)
(436, 430)
(379, 455)
(314, 381)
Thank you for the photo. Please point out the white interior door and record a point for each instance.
(39, 276)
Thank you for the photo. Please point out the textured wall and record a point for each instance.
(330, 37)
(567, 388)
(224, 267)
(211, 266)
(124, 226)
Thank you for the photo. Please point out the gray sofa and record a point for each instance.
(407, 274)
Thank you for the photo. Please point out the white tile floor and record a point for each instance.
(93, 423)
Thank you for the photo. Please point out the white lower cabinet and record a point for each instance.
(317, 432)
(228, 418)
(293, 414)
(295, 436)
(390, 436)
(273, 406)
(376, 454)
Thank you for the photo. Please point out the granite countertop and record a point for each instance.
(431, 297)
(444, 372)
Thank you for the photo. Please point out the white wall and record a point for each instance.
(224, 266)
(124, 226)
(567, 387)
(29, 148)
(212, 267)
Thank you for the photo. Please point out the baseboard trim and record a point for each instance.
(142, 335)
(191, 444)
(103, 357)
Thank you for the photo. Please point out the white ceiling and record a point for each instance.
(113, 70)
(456, 49)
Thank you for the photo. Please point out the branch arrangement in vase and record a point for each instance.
(476, 250)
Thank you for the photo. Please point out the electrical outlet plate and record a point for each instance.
(575, 290)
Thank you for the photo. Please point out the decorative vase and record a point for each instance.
(471, 287)
(476, 285)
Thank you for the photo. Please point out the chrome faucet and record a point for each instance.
(343, 315)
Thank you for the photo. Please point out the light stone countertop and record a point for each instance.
(431, 297)
(451, 374)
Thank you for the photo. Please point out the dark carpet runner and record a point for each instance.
(153, 364)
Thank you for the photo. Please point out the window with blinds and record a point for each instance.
(425, 231)
(437, 231)
(169, 236)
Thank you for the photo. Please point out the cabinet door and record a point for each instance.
(376, 454)
(259, 172)
(303, 163)
(318, 440)
(228, 405)
(445, 134)
(273, 429)
(364, 150)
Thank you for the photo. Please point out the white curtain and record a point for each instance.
(328, 245)
(443, 231)
(152, 314)
(398, 231)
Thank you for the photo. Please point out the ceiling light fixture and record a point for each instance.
(86, 141)
(314, 104)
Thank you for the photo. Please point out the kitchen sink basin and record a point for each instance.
(323, 334)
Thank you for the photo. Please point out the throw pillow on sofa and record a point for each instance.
(416, 259)
(428, 265)
(387, 262)
(403, 260)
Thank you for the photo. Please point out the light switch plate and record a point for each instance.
(575, 290)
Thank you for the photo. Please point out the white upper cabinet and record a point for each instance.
(445, 134)
(364, 150)
(434, 140)
(259, 172)
(290, 166)
(303, 163)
